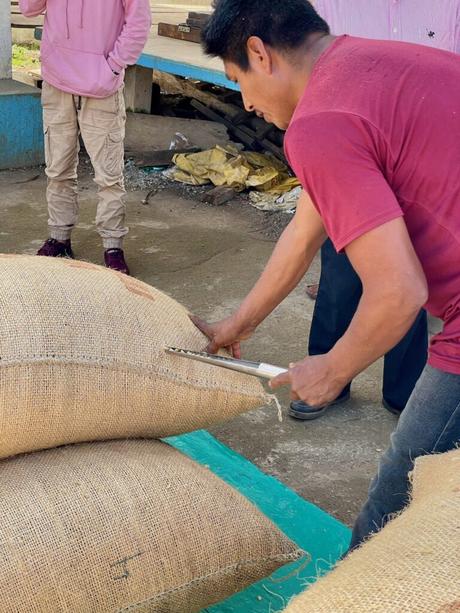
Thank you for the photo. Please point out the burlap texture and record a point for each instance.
(413, 564)
(82, 359)
(126, 526)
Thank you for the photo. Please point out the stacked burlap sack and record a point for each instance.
(123, 525)
(413, 564)
(82, 359)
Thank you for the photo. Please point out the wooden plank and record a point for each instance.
(198, 20)
(32, 78)
(185, 87)
(219, 195)
(246, 135)
(163, 157)
(18, 21)
(180, 32)
(195, 23)
(243, 134)
(198, 15)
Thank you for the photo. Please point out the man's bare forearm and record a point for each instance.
(290, 260)
(394, 290)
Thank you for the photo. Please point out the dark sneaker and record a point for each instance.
(115, 259)
(53, 248)
(302, 410)
(391, 408)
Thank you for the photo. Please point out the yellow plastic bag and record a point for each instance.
(227, 166)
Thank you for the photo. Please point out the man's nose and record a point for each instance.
(247, 105)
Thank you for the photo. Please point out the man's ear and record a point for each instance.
(259, 55)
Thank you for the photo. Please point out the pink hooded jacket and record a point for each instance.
(85, 43)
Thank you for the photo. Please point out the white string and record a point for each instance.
(272, 399)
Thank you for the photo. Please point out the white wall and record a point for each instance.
(5, 39)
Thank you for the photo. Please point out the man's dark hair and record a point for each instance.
(282, 24)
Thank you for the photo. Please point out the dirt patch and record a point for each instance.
(153, 182)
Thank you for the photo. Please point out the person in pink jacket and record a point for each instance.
(85, 49)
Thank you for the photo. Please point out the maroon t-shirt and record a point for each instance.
(376, 136)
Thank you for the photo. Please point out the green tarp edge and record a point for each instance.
(320, 534)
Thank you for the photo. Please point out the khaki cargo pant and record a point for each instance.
(101, 123)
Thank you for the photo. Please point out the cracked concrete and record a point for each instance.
(208, 258)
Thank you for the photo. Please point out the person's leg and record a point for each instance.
(430, 423)
(61, 155)
(102, 124)
(338, 297)
(404, 365)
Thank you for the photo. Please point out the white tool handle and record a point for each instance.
(268, 371)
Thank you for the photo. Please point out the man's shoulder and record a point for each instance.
(317, 124)
(316, 137)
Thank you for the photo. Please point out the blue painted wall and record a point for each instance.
(21, 131)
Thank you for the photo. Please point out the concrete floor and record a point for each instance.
(208, 258)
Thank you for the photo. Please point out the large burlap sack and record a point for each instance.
(413, 564)
(82, 358)
(126, 526)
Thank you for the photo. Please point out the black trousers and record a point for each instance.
(339, 293)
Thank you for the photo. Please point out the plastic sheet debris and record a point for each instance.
(267, 201)
(234, 168)
(179, 141)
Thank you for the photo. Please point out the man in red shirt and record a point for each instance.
(373, 134)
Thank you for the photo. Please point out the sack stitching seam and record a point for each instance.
(280, 557)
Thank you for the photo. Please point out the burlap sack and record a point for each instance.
(413, 564)
(82, 358)
(126, 526)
